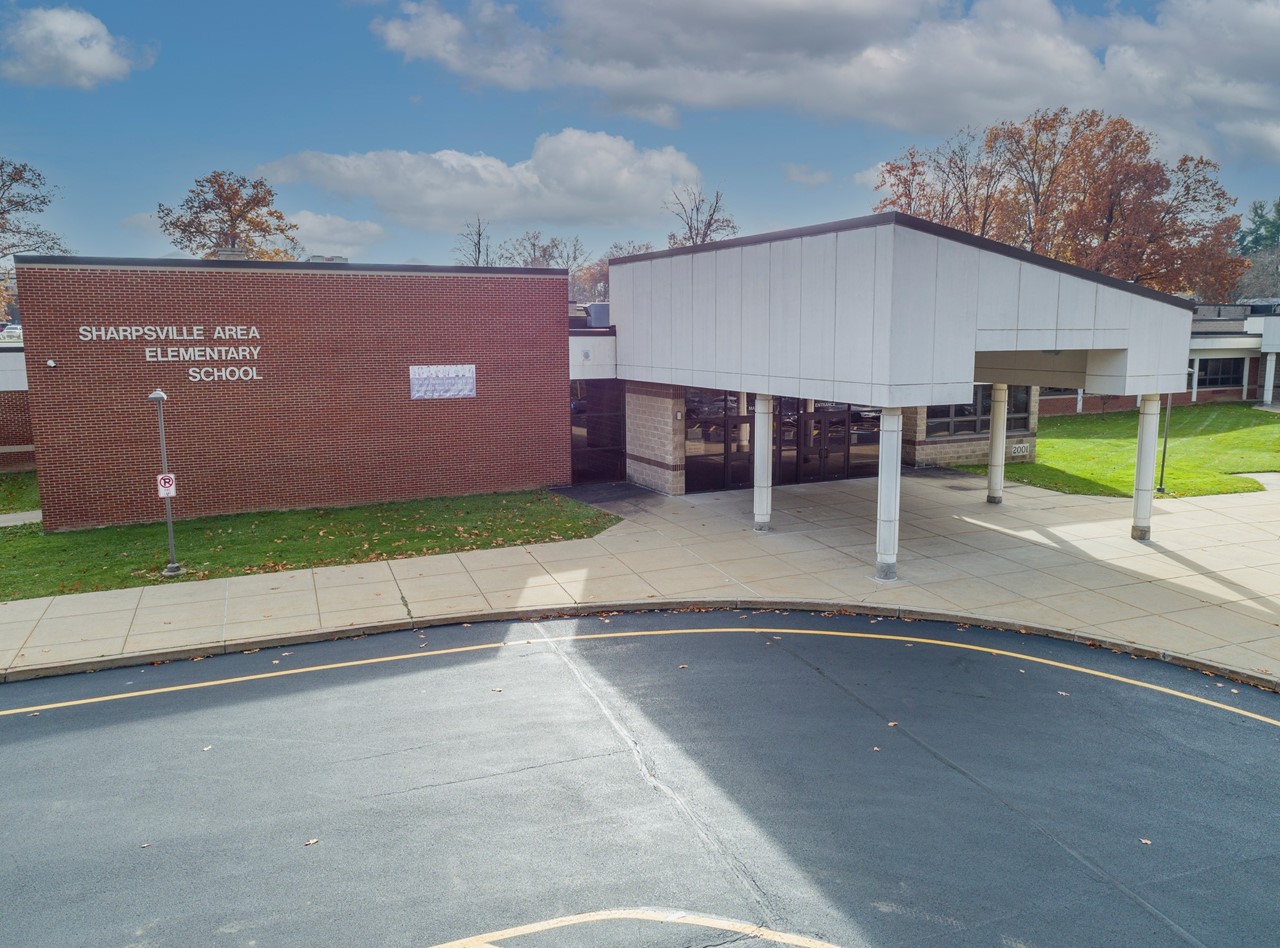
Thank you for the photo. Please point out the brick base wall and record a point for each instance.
(318, 411)
(655, 437)
(15, 433)
(1099, 404)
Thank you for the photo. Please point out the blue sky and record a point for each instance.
(386, 125)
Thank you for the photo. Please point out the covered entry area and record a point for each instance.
(886, 311)
(812, 441)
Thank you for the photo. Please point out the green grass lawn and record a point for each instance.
(1095, 454)
(18, 492)
(33, 563)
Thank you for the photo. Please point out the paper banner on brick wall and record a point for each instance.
(442, 381)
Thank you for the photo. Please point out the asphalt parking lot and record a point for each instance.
(663, 778)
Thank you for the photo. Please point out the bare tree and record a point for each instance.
(473, 248)
(592, 281)
(1262, 279)
(23, 193)
(527, 250)
(702, 219)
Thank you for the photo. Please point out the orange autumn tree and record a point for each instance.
(1084, 188)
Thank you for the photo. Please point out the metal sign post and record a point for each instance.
(166, 484)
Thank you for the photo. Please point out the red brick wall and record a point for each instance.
(328, 423)
(1095, 404)
(15, 431)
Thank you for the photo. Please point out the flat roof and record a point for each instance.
(276, 266)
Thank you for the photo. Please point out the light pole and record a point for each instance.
(173, 569)
(1164, 454)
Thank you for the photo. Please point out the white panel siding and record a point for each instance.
(784, 314)
(728, 309)
(818, 309)
(956, 308)
(703, 317)
(855, 304)
(682, 354)
(755, 311)
(915, 289)
(998, 278)
(1077, 303)
(642, 307)
(882, 324)
(1037, 307)
(886, 315)
(660, 345)
(621, 315)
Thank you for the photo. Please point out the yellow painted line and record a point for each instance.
(873, 636)
(667, 917)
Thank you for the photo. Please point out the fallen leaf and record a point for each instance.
(311, 842)
(286, 653)
(1145, 842)
(251, 651)
(209, 748)
(146, 845)
(496, 690)
(34, 714)
(777, 638)
(686, 666)
(875, 748)
(275, 661)
(1065, 694)
(893, 724)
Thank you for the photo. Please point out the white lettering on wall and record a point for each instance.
(198, 353)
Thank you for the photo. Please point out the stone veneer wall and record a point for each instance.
(919, 451)
(655, 436)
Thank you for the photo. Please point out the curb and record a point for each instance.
(80, 666)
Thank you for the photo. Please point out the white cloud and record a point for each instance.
(803, 174)
(332, 236)
(869, 177)
(571, 177)
(1190, 70)
(61, 46)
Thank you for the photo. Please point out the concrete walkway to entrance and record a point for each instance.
(1205, 591)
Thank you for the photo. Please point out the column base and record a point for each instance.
(1140, 533)
(761, 528)
(994, 500)
(886, 571)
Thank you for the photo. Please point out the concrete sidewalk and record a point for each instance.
(1205, 592)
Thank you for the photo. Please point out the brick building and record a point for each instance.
(290, 385)
(841, 350)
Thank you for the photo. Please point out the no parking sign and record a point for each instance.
(166, 485)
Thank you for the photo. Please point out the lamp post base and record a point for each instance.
(173, 569)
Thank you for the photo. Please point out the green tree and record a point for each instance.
(225, 209)
(1263, 230)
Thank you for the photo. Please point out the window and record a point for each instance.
(1221, 373)
(944, 421)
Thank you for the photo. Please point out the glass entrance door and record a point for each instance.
(822, 449)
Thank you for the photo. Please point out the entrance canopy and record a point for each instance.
(888, 310)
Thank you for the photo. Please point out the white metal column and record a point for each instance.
(763, 441)
(999, 425)
(1144, 475)
(1244, 385)
(889, 492)
(1195, 377)
(1269, 381)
